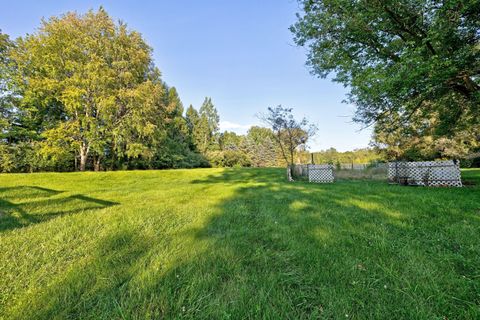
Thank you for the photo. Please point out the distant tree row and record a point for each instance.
(357, 156)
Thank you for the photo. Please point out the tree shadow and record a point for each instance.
(363, 249)
(22, 206)
(245, 175)
(93, 287)
(22, 192)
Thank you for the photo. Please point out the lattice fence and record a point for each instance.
(425, 173)
(322, 173)
(319, 173)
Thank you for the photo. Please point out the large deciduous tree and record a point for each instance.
(92, 83)
(402, 60)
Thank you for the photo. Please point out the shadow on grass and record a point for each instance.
(362, 249)
(281, 250)
(90, 285)
(471, 177)
(25, 205)
(246, 175)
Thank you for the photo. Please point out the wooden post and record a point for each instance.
(396, 172)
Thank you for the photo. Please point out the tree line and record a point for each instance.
(357, 156)
(83, 93)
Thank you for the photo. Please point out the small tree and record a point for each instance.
(290, 134)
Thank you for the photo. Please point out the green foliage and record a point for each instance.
(83, 92)
(10, 131)
(261, 148)
(291, 135)
(7, 158)
(403, 60)
(16, 151)
(20, 156)
(229, 158)
(221, 149)
(208, 111)
(417, 141)
(100, 73)
(191, 120)
(203, 126)
(57, 150)
(235, 243)
(230, 153)
(332, 156)
(229, 141)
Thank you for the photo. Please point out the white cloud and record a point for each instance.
(235, 127)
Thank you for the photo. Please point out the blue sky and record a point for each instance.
(240, 53)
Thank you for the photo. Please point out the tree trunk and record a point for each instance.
(279, 141)
(83, 156)
(75, 162)
(96, 164)
(113, 157)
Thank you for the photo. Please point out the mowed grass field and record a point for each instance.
(235, 244)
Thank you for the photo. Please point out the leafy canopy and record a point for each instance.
(91, 82)
(290, 133)
(401, 59)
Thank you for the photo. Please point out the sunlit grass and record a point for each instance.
(235, 243)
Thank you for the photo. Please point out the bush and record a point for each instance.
(229, 158)
(470, 163)
(19, 157)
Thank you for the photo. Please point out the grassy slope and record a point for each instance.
(238, 243)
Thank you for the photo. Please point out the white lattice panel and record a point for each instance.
(322, 173)
(425, 173)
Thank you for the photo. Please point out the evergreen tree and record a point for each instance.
(208, 111)
(203, 126)
(260, 147)
(192, 118)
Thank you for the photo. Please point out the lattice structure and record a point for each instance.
(322, 173)
(425, 173)
(353, 166)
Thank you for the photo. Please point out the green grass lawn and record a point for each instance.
(235, 243)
